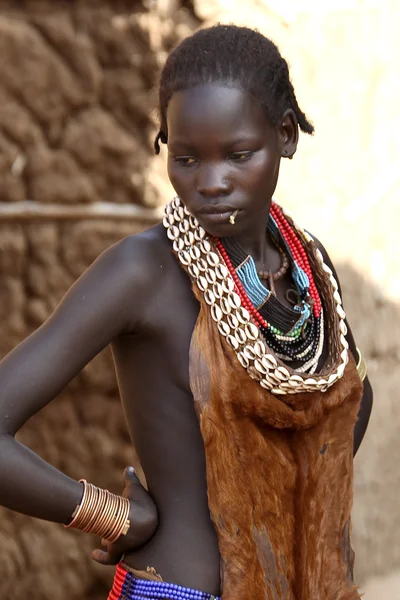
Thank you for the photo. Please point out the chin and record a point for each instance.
(220, 230)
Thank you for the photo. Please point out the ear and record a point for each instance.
(289, 133)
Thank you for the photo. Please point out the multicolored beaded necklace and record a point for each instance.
(294, 334)
(266, 335)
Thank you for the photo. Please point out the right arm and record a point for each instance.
(96, 309)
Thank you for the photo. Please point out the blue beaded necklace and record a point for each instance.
(293, 333)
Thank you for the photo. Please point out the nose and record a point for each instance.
(212, 181)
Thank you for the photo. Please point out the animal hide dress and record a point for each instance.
(279, 475)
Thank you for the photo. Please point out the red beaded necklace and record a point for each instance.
(298, 254)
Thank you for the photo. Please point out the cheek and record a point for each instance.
(179, 180)
(171, 171)
(261, 173)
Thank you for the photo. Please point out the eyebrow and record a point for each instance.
(185, 146)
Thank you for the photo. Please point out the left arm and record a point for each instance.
(366, 400)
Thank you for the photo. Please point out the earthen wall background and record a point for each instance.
(76, 92)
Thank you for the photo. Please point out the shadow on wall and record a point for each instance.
(83, 433)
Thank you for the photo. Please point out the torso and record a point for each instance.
(153, 373)
(152, 365)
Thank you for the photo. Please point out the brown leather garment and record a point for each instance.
(279, 475)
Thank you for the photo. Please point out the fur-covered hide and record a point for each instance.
(279, 475)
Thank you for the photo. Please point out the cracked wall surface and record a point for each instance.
(76, 125)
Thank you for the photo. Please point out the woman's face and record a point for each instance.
(223, 155)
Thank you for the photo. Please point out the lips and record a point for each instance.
(217, 218)
(216, 209)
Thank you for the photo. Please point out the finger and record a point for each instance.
(130, 477)
(105, 558)
(129, 472)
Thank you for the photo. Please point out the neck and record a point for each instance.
(254, 240)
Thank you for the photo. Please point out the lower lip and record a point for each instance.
(216, 217)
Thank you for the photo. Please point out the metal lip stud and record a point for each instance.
(233, 216)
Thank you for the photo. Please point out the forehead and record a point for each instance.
(211, 110)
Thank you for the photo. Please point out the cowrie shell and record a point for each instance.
(223, 328)
(211, 276)
(193, 271)
(232, 341)
(249, 353)
(195, 252)
(333, 282)
(340, 370)
(184, 257)
(243, 315)
(189, 238)
(221, 271)
(265, 384)
(228, 285)
(201, 263)
(234, 300)
(178, 245)
(240, 336)
(226, 308)
(243, 360)
(205, 246)
(212, 259)
(173, 232)
(337, 297)
(232, 320)
(209, 297)
(251, 331)
(271, 360)
(260, 367)
(216, 312)
(259, 348)
(202, 283)
(327, 269)
(340, 311)
(217, 289)
(283, 372)
(184, 227)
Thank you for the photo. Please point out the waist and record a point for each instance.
(131, 584)
(180, 553)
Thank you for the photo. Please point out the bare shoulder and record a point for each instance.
(135, 268)
(136, 258)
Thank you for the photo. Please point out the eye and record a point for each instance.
(186, 161)
(240, 156)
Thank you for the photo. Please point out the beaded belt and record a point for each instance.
(128, 587)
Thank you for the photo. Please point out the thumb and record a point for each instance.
(130, 476)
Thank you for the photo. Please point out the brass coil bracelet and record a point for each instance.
(101, 512)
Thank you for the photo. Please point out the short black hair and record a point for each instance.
(232, 55)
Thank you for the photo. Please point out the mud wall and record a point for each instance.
(76, 127)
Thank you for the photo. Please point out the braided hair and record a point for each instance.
(230, 55)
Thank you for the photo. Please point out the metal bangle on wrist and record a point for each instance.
(102, 513)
